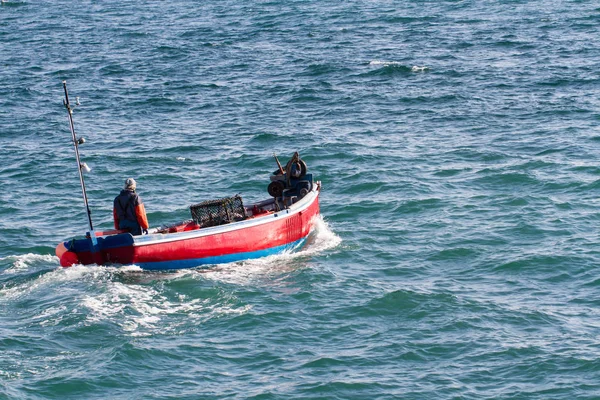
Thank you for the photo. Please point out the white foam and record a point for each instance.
(51, 316)
(324, 238)
(267, 269)
(417, 68)
(385, 63)
(24, 262)
(141, 310)
(52, 278)
(414, 68)
(129, 268)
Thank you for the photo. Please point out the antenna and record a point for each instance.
(81, 167)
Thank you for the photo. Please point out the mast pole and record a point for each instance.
(79, 165)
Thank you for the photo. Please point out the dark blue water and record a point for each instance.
(457, 143)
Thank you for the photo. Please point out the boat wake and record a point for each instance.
(157, 308)
(269, 269)
(323, 238)
(94, 296)
(143, 303)
(24, 262)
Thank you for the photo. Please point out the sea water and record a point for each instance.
(457, 144)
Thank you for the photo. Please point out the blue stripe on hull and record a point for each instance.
(224, 259)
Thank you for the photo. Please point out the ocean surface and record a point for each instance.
(458, 254)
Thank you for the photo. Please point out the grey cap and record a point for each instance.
(130, 183)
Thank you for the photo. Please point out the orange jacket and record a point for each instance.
(129, 206)
(140, 215)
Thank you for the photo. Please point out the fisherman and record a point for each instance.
(128, 211)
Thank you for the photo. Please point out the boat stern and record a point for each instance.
(67, 258)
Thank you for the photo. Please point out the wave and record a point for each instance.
(145, 303)
(256, 270)
(7, 3)
(24, 262)
(388, 67)
(109, 295)
(147, 309)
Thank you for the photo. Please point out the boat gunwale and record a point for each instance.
(298, 207)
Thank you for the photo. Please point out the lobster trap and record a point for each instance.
(218, 212)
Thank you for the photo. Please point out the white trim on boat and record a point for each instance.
(296, 208)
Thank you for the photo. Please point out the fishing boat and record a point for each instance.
(219, 231)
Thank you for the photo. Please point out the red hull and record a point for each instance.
(255, 237)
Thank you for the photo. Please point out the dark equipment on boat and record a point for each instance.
(291, 181)
(218, 212)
